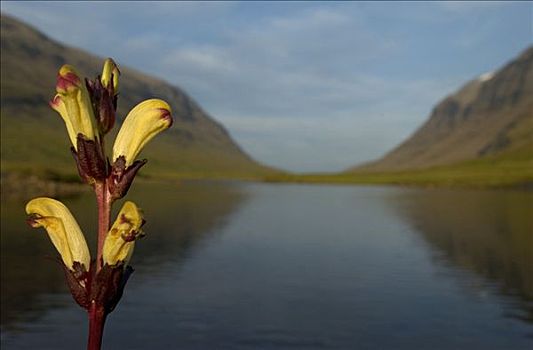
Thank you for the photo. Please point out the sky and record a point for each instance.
(303, 86)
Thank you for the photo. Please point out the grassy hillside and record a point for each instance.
(479, 136)
(509, 169)
(488, 116)
(29, 147)
(34, 139)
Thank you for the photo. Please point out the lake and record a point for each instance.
(270, 266)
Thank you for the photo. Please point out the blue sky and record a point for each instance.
(305, 86)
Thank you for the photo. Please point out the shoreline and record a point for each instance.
(24, 186)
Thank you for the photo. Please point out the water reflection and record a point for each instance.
(281, 266)
(487, 232)
(178, 218)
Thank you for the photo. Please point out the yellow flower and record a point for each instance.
(120, 240)
(110, 74)
(62, 229)
(73, 103)
(142, 123)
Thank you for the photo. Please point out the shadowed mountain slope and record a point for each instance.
(34, 138)
(488, 118)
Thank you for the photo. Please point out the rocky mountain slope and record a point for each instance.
(489, 117)
(34, 139)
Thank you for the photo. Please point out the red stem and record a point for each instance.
(103, 200)
(97, 316)
(97, 313)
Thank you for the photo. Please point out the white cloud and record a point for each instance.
(468, 7)
(206, 59)
(314, 18)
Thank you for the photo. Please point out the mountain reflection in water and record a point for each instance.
(177, 219)
(261, 266)
(486, 232)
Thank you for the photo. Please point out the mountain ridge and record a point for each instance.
(197, 145)
(487, 116)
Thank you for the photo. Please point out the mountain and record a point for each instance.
(489, 118)
(34, 139)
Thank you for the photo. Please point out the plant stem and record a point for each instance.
(97, 316)
(97, 313)
(104, 212)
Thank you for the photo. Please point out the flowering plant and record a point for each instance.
(88, 109)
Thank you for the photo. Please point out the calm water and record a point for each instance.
(257, 266)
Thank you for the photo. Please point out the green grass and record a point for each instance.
(30, 147)
(507, 170)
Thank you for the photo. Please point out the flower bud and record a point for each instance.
(142, 123)
(103, 92)
(120, 240)
(110, 74)
(73, 104)
(62, 229)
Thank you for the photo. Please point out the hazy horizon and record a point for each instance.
(300, 86)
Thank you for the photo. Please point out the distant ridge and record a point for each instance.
(491, 116)
(33, 136)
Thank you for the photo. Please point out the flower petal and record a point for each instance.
(62, 228)
(142, 123)
(59, 106)
(73, 103)
(120, 240)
